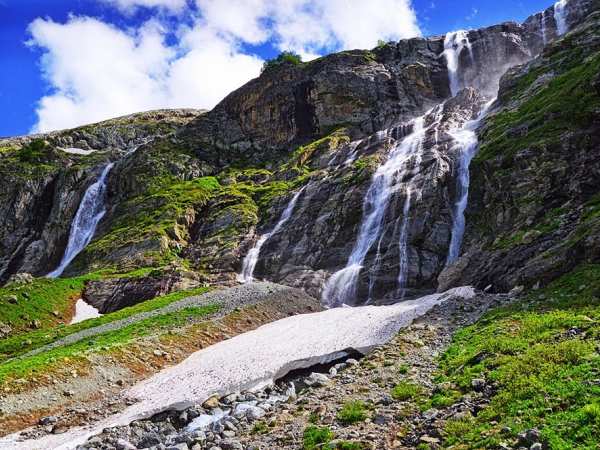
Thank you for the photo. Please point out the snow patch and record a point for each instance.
(254, 359)
(84, 311)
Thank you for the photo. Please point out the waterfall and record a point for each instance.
(454, 43)
(466, 143)
(90, 212)
(251, 258)
(560, 16)
(341, 287)
(403, 245)
(543, 28)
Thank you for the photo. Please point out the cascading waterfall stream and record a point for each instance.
(466, 143)
(249, 263)
(91, 210)
(560, 16)
(341, 287)
(543, 28)
(454, 43)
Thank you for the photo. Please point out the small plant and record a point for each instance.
(352, 412)
(284, 58)
(403, 369)
(591, 413)
(260, 428)
(316, 437)
(347, 445)
(313, 417)
(405, 391)
(34, 152)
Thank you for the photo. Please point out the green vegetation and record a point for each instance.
(352, 412)
(568, 102)
(403, 369)
(364, 168)
(317, 437)
(283, 59)
(23, 343)
(152, 217)
(406, 390)
(39, 364)
(541, 355)
(332, 141)
(260, 427)
(39, 304)
(548, 224)
(34, 152)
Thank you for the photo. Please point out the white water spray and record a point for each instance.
(454, 43)
(251, 258)
(90, 212)
(560, 16)
(341, 287)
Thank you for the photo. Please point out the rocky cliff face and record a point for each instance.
(202, 188)
(535, 197)
(44, 178)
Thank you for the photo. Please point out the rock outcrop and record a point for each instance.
(534, 206)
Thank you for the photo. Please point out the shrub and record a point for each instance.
(33, 152)
(352, 412)
(405, 391)
(284, 58)
(316, 437)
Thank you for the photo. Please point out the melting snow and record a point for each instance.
(254, 359)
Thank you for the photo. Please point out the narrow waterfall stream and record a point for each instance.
(560, 16)
(466, 143)
(454, 43)
(341, 287)
(543, 28)
(249, 263)
(91, 210)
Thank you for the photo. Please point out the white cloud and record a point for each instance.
(309, 26)
(97, 70)
(130, 6)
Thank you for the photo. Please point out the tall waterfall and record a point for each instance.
(560, 15)
(249, 263)
(466, 144)
(341, 287)
(91, 210)
(454, 43)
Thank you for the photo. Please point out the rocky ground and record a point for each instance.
(348, 404)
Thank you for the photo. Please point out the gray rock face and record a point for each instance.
(42, 189)
(113, 294)
(321, 233)
(532, 212)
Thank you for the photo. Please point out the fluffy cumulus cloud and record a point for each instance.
(130, 6)
(96, 70)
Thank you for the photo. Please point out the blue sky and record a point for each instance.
(91, 59)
